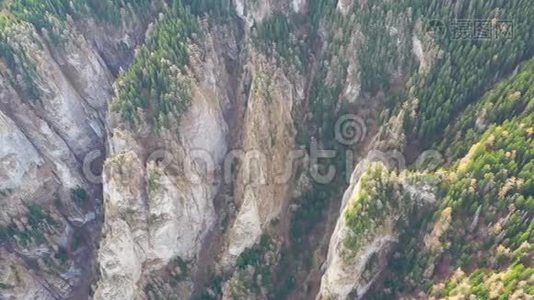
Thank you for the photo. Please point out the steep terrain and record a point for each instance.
(265, 149)
(56, 78)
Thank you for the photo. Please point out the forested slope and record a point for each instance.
(479, 241)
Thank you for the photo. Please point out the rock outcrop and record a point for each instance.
(54, 93)
(379, 205)
(159, 189)
(262, 185)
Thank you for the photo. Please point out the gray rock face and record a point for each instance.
(45, 137)
(158, 200)
(267, 140)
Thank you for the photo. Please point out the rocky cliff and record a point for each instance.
(378, 206)
(55, 89)
(169, 210)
